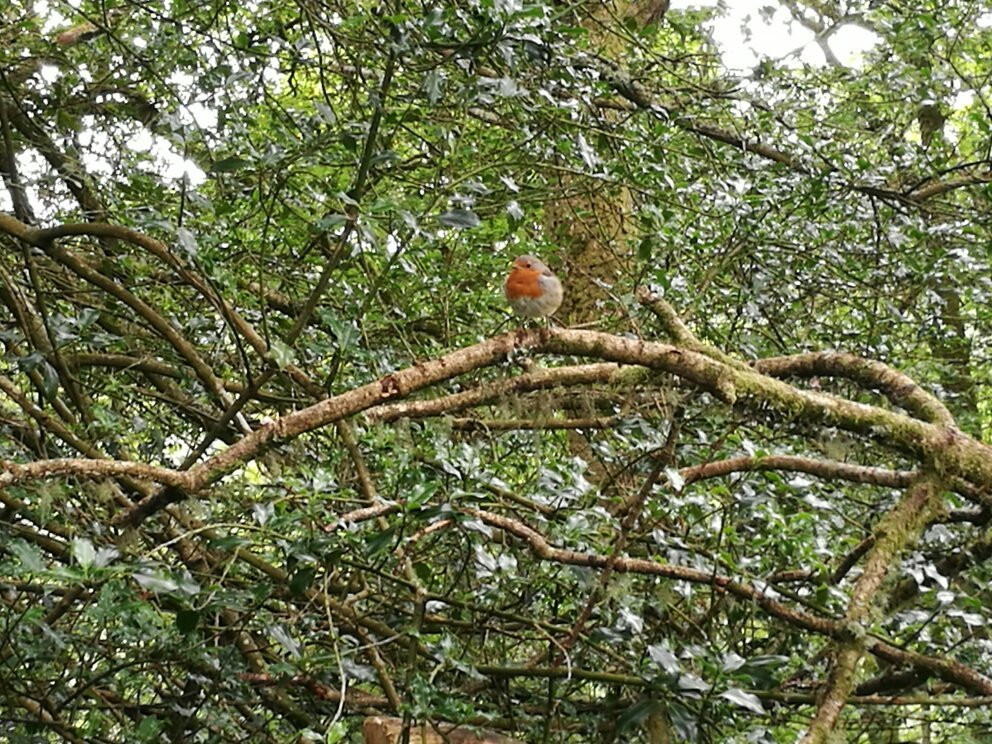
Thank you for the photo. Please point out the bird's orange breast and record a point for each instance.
(523, 283)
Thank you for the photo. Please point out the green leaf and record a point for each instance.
(302, 580)
(331, 221)
(29, 556)
(345, 332)
(380, 541)
(743, 699)
(187, 241)
(281, 354)
(637, 714)
(187, 620)
(150, 728)
(460, 218)
(326, 112)
(282, 635)
(161, 583)
(229, 165)
(83, 551)
(49, 379)
(336, 732)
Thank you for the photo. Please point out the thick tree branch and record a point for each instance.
(896, 386)
(954, 453)
(897, 530)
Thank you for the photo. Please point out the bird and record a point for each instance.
(532, 289)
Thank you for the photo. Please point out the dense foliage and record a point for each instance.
(217, 215)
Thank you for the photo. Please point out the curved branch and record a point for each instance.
(640, 97)
(390, 387)
(162, 252)
(623, 564)
(13, 473)
(942, 187)
(898, 387)
(73, 177)
(539, 424)
(826, 469)
(833, 470)
(47, 422)
(678, 331)
(954, 452)
(43, 239)
(951, 671)
(538, 380)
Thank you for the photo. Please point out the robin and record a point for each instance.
(532, 289)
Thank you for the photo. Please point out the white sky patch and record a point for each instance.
(205, 118)
(850, 43)
(175, 167)
(31, 162)
(962, 100)
(166, 162)
(93, 142)
(53, 19)
(177, 450)
(393, 246)
(50, 73)
(142, 141)
(984, 20)
(748, 31)
(273, 75)
(180, 80)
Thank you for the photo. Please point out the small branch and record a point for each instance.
(631, 512)
(390, 387)
(955, 453)
(347, 435)
(363, 515)
(946, 669)
(964, 556)
(585, 374)
(46, 719)
(942, 187)
(43, 239)
(826, 469)
(353, 698)
(678, 331)
(13, 473)
(641, 98)
(851, 559)
(933, 701)
(539, 424)
(497, 491)
(155, 367)
(46, 421)
(8, 168)
(540, 546)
